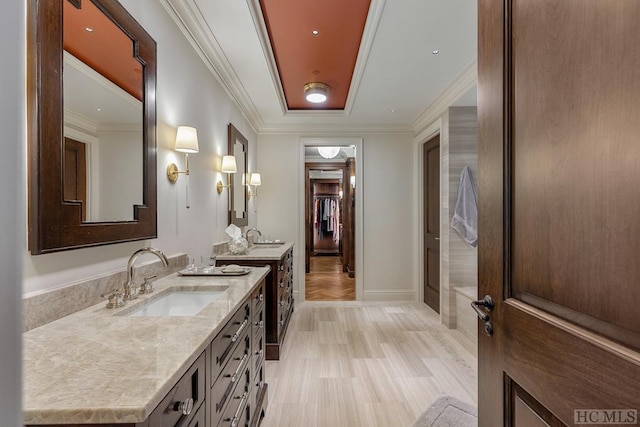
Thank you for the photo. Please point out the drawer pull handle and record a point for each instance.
(236, 417)
(185, 407)
(260, 324)
(260, 352)
(234, 376)
(235, 336)
(261, 297)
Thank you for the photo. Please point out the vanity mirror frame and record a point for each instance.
(236, 137)
(56, 224)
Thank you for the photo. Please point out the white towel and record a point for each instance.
(465, 215)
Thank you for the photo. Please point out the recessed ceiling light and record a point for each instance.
(98, 109)
(435, 52)
(315, 32)
(393, 110)
(88, 29)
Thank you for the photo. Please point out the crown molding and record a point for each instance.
(189, 19)
(324, 129)
(368, 35)
(464, 81)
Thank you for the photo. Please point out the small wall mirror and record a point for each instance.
(238, 147)
(92, 158)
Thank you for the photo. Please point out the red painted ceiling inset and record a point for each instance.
(328, 57)
(106, 49)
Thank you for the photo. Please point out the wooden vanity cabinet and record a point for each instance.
(226, 382)
(279, 301)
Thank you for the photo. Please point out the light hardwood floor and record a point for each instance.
(327, 282)
(366, 364)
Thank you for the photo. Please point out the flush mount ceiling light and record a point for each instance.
(328, 152)
(316, 92)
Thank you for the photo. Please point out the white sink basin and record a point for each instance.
(178, 303)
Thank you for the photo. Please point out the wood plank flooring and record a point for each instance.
(357, 364)
(327, 282)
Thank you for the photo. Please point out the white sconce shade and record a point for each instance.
(187, 140)
(187, 143)
(255, 179)
(328, 152)
(229, 164)
(352, 181)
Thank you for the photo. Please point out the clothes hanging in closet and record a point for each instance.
(326, 217)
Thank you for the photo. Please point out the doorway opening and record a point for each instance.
(330, 223)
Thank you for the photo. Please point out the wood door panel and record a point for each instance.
(431, 185)
(575, 182)
(583, 360)
(523, 410)
(558, 208)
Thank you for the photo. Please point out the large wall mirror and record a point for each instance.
(238, 147)
(92, 121)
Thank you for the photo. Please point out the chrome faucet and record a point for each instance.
(130, 283)
(246, 233)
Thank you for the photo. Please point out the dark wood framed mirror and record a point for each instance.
(238, 147)
(83, 157)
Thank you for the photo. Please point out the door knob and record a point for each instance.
(483, 313)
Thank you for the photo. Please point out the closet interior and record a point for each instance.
(330, 202)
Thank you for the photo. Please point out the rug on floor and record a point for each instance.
(447, 411)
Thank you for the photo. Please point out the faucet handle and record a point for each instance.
(115, 299)
(147, 286)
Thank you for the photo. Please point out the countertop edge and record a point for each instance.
(133, 414)
(258, 253)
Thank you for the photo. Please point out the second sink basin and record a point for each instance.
(178, 303)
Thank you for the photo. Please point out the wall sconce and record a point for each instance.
(352, 181)
(255, 181)
(187, 143)
(228, 166)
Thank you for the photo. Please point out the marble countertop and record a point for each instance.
(101, 366)
(258, 252)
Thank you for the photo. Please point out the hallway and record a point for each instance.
(327, 282)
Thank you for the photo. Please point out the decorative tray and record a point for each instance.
(214, 271)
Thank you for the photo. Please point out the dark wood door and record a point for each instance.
(75, 173)
(559, 209)
(431, 184)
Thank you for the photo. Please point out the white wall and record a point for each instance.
(187, 94)
(12, 214)
(388, 207)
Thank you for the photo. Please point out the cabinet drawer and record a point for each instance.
(223, 345)
(256, 389)
(257, 299)
(186, 396)
(231, 376)
(257, 325)
(258, 355)
(238, 410)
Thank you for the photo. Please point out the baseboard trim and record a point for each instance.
(390, 295)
